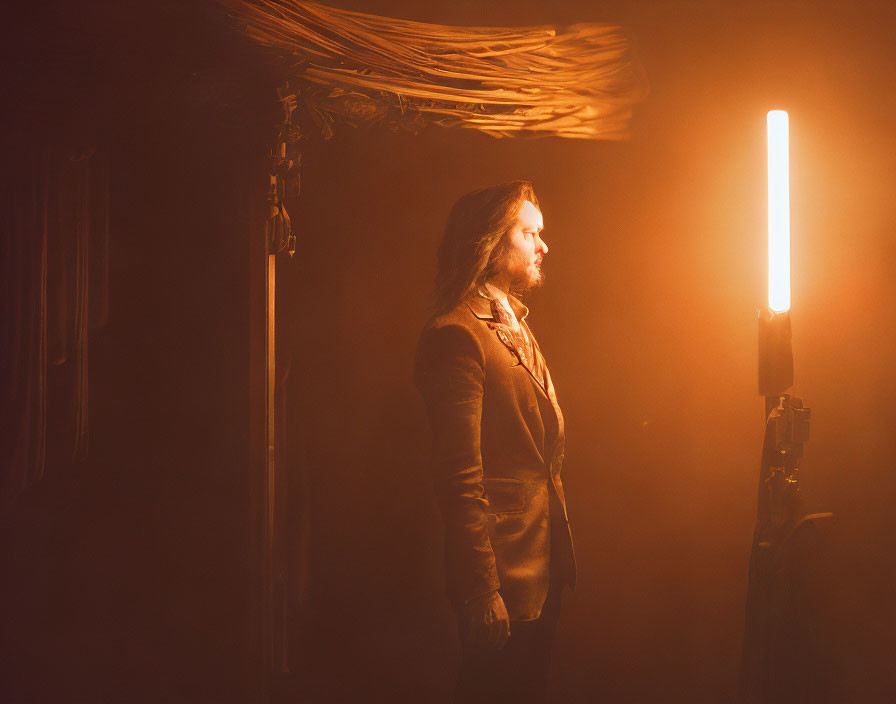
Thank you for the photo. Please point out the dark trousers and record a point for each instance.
(518, 673)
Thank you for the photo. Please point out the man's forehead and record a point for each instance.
(530, 216)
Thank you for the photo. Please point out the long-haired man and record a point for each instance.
(498, 445)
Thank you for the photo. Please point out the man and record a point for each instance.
(498, 446)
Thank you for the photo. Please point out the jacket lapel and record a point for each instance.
(518, 351)
(481, 308)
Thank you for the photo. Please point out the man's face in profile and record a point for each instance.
(525, 250)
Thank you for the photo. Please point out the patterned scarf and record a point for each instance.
(520, 338)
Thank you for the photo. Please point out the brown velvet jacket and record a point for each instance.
(497, 454)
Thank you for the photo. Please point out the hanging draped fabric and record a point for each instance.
(24, 277)
(579, 81)
(56, 243)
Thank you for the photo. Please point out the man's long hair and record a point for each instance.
(472, 246)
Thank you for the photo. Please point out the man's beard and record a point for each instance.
(528, 279)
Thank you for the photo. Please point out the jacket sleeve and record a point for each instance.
(449, 374)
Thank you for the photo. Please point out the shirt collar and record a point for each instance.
(482, 308)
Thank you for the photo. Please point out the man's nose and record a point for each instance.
(542, 245)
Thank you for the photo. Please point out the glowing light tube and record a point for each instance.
(778, 211)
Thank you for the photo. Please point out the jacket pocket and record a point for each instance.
(505, 495)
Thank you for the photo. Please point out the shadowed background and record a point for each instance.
(648, 321)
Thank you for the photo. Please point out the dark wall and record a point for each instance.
(129, 573)
(126, 575)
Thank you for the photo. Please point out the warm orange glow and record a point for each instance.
(778, 211)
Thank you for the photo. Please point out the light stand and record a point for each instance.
(782, 655)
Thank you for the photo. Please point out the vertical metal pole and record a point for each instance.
(262, 466)
(270, 457)
(268, 487)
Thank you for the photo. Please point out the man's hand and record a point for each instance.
(484, 622)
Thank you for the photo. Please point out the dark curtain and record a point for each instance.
(24, 262)
(55, 288)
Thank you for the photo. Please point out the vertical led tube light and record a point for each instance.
(778, 211)
(775, 350)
